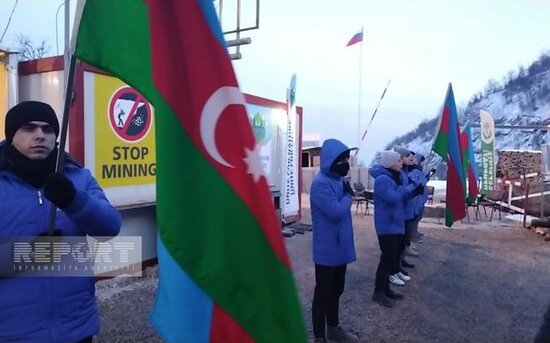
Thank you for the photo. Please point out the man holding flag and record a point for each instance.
(224, 270)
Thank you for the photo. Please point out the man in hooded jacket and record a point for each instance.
(333, 245)
(46, 308)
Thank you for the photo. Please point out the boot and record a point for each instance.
(382, 300)
(337, 334)
(393, 295)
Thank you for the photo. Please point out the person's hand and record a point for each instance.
(418, 190)
(59, 190)
(347, 188)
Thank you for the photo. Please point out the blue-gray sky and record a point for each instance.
(420, 45)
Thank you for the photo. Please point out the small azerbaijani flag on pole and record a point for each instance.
(357, 38)
(224, 273)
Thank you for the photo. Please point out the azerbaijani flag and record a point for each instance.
(357, 38)
(223, 267)
(468, 162)
(447, 145)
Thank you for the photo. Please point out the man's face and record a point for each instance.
(409, 160)
(36, 140)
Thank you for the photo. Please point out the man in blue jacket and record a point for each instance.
(410, 175)
(46, 308)
(333, 245)
(390, 197)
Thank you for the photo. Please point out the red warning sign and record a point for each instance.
(130, 115)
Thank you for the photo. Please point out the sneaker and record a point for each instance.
(403, 271)
(337, 334)
(403, 277)
(382, 300)
(393, 295)
(407, 264)
(396, 280)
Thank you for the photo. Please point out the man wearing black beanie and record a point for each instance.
(47, 307)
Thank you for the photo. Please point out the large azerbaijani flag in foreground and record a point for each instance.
(468, 162)
(447, 146)
(224, 271)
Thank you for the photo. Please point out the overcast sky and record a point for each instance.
(420, 45)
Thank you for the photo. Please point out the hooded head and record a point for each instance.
(406, 155)
(402, 151)
(334, 158)
(26, 112)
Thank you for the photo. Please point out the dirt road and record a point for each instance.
(480, 282)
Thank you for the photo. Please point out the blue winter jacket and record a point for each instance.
(50, 309)
(410, 204)
(422, 198)
(333, 243)
(412, 207)
(389, 201)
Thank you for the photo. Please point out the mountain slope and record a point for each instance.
(523, 100)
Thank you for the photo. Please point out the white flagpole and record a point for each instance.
(372, 117)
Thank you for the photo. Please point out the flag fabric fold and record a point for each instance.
(469, 163)
(447, 146)
(224, 273)
(357, 38)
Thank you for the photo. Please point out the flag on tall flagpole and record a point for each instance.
(447, 145)
(357, 38)
(223, 267)
(468, 162)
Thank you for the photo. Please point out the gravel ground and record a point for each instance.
(479, 282)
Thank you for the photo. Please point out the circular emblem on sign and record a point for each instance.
(487, 133)
(130, 115)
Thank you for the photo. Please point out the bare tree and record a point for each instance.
(28, 50)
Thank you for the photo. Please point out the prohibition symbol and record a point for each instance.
(130, 115)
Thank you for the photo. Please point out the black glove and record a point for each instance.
(45, 237)
(59, 190)
(418, 190)
(347, 188)
(55, 233)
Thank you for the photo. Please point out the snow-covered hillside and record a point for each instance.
(523, 100)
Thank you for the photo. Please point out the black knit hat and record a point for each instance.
(28, 111)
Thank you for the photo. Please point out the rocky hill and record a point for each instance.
(521, 99)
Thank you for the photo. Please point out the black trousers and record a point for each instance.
(409, 230)
(87, 340)
(329, 286)
(390, 246)
(543, 335)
